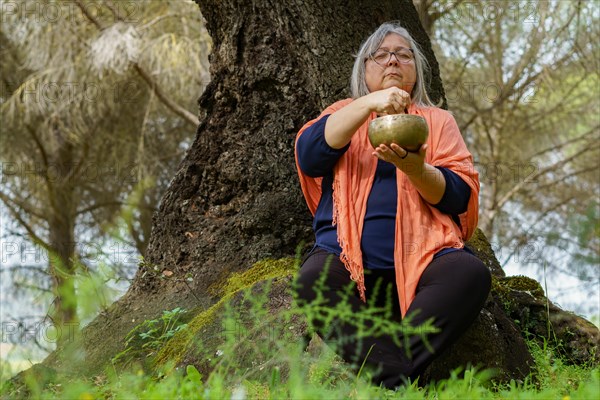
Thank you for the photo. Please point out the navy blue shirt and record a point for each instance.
(317, 159)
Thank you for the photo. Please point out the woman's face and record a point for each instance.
(389, 71)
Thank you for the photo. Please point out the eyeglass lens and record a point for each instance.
(403, 56)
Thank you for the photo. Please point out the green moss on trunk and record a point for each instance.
(203, 325)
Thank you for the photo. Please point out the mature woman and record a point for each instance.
(391, 215)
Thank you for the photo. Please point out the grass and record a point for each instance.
(322, 378)
(263, 360)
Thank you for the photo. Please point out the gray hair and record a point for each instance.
(358, 84)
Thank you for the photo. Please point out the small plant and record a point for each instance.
(149, 270)
(149, 336)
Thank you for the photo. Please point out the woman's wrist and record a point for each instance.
(412, 169)
(429, 182)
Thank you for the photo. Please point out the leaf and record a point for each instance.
(193, 375)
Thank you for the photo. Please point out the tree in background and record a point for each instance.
(522, 79)
(98, 108)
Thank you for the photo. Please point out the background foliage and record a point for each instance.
(98, 108)
(522, 80)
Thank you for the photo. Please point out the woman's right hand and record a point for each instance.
(343, 123)
(388, 101)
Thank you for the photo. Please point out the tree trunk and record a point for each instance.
(274, 66)
(61, 226)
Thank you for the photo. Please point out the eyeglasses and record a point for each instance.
(382, 57)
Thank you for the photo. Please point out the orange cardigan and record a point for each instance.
(421, 229)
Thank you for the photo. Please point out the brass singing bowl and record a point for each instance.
(406, 130)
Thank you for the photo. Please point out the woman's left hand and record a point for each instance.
(411, 163)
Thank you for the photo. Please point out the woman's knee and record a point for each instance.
(306, 280)
(480, 278)
(482, 274)
(467, 273)
(314, 274)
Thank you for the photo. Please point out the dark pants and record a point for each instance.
(452, 291)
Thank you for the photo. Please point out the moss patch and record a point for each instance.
(500, 290)
(524, 284)
(175, 349)
(504, 288)
(262, 270)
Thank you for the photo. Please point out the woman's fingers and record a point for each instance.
(396, 100)
(401, 100)
(390, 101)
(389, 154)
(399, 151)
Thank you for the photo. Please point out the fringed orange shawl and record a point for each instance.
(421, 229)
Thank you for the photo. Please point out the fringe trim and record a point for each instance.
(356, 274)
(355, 269)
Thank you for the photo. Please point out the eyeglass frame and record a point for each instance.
(390, 53)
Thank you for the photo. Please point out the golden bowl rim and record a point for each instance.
(393, 117)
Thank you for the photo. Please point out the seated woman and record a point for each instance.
(391, 215)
